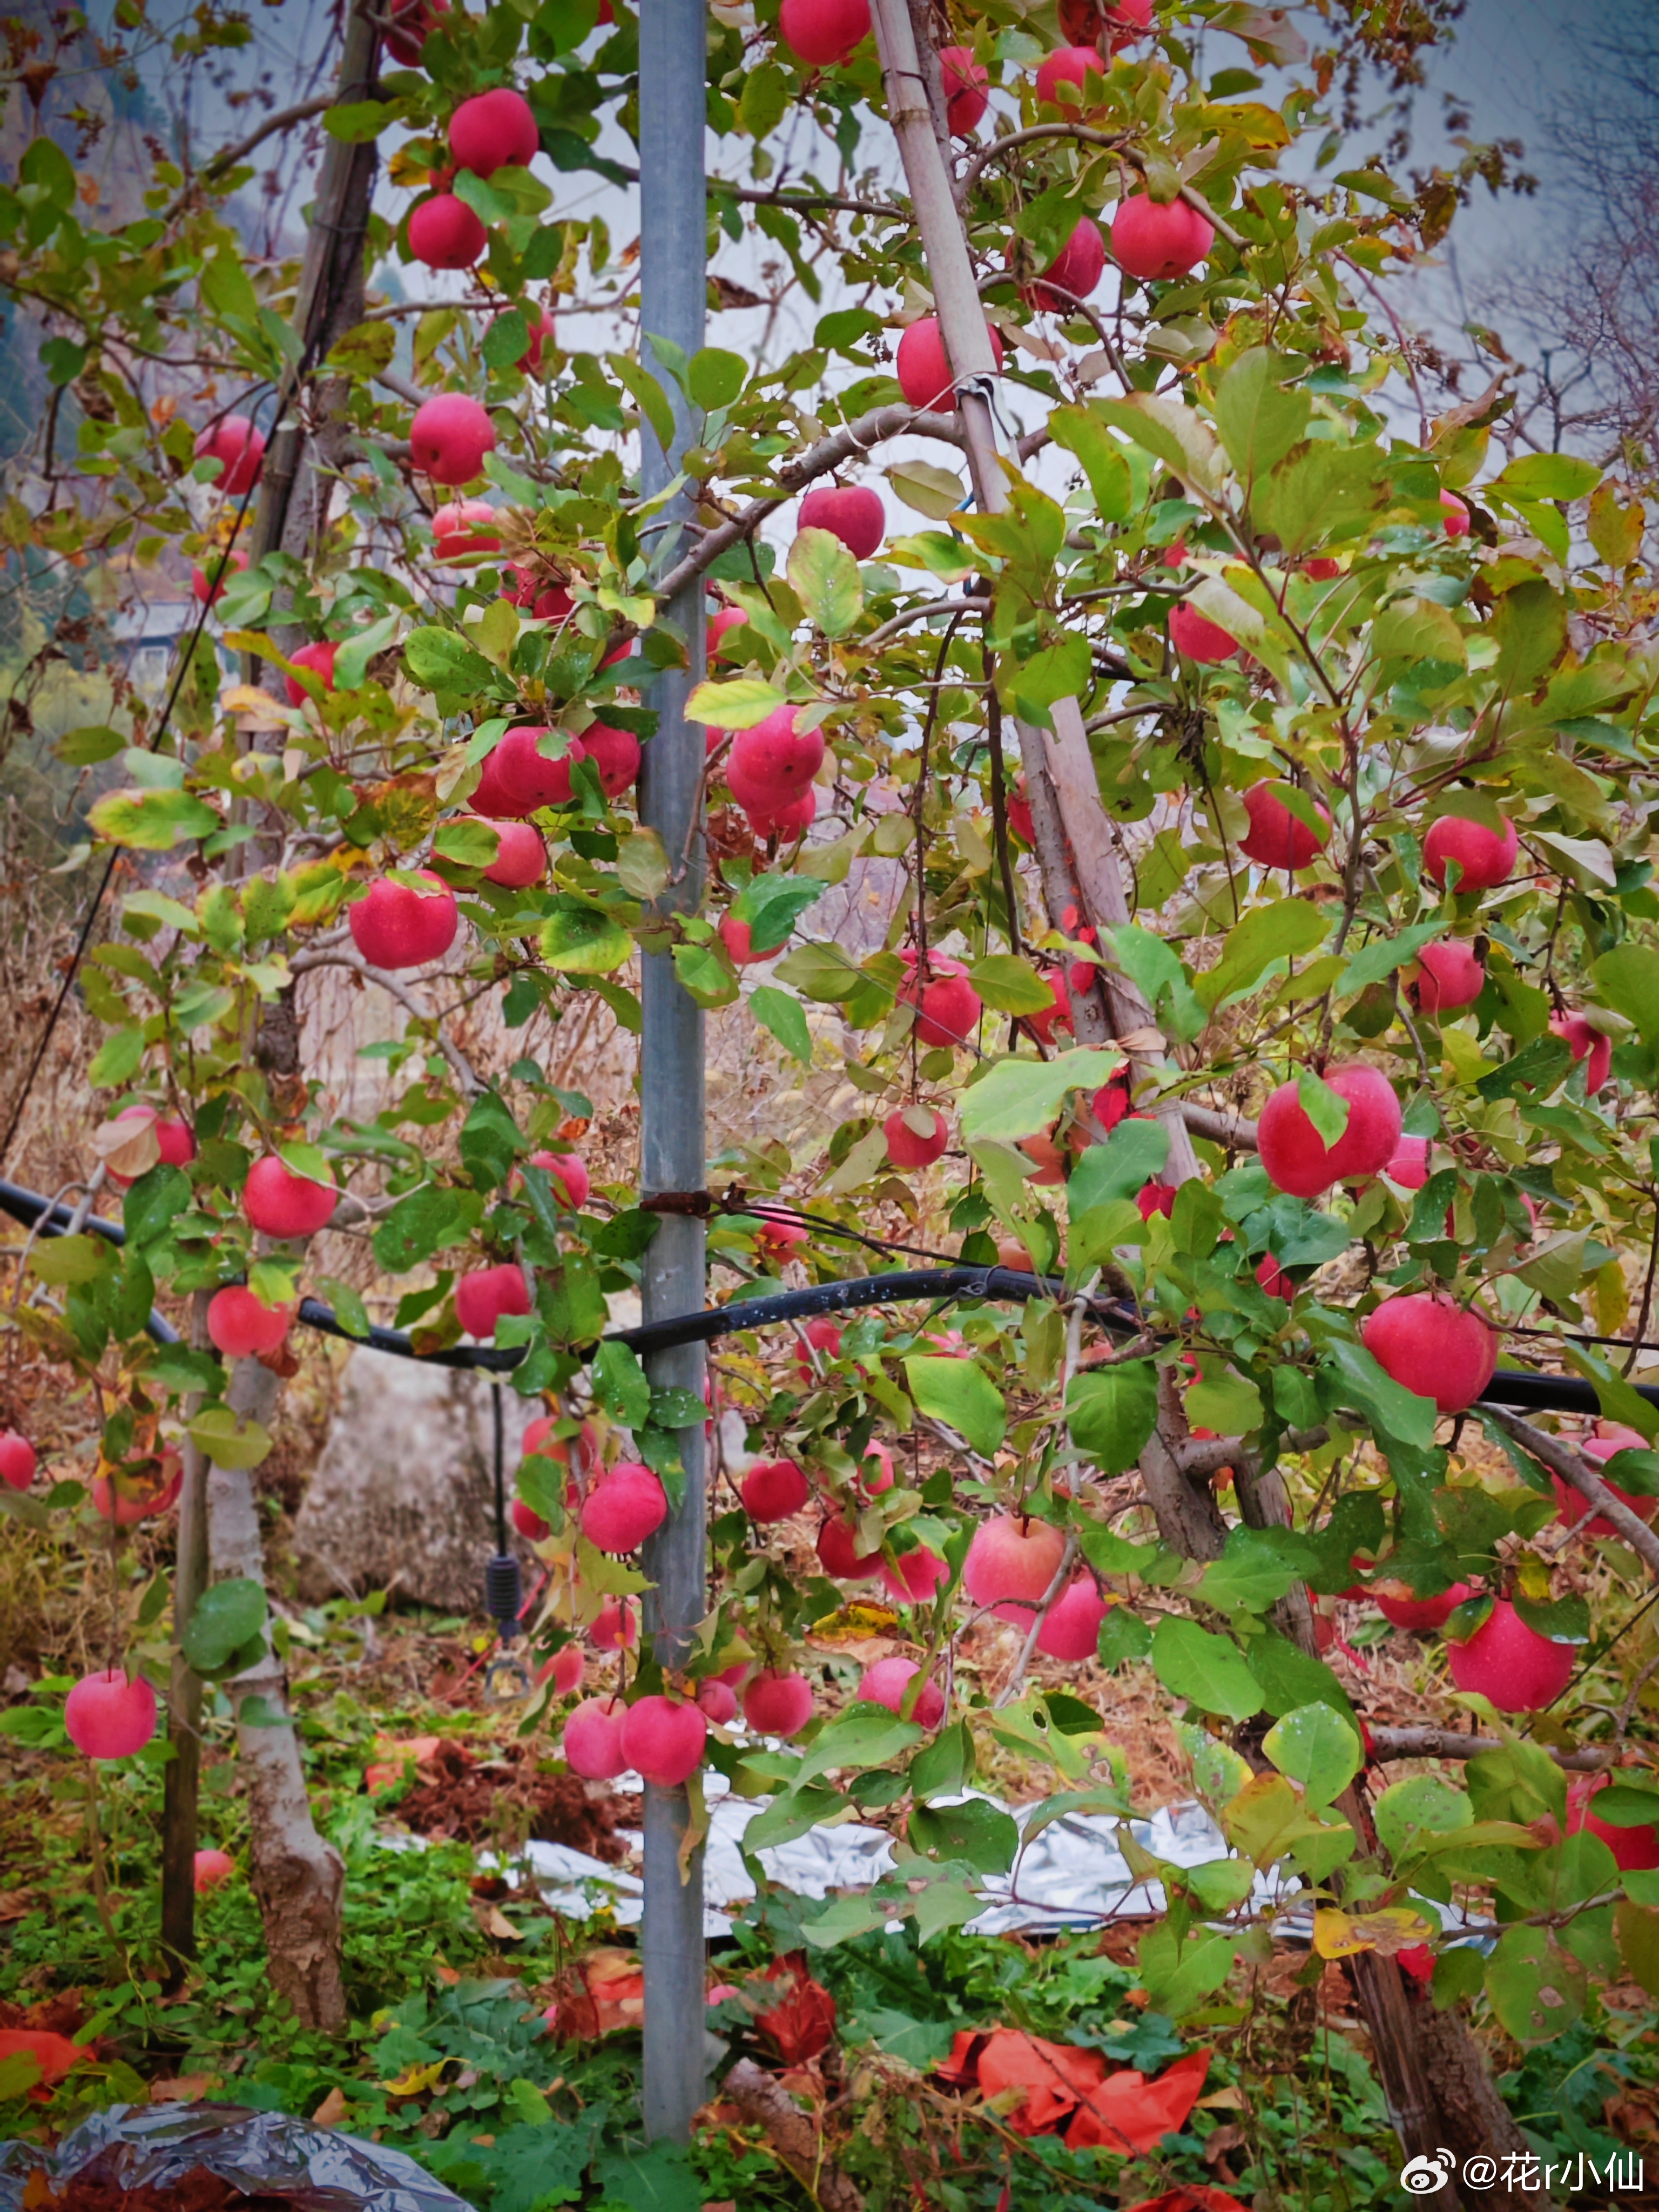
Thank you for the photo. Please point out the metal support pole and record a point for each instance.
(673, 245)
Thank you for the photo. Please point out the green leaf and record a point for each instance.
(1326, 1109)
(578, 938)
(1111, 1412)
(117, 1060)
(961, 1394)
(152, 821)
(1082, 432)
(1379, 959)
(1289, 1678)
(716, 378)
(1386, 1404)
(1423, 1804)
(1020, 1097)
(860, 1739)
(1123, 1636)
(1283, 931)
(1316, 1747)
(227, 1617)
(1134, 1154)
(737, 704)
(490, 1141)
(771, 905)
(620, 1384)
(1321, 494)
(70, 1259)
(364, 350)
(660, 2179)
(506, 340)
(921, 2044)
(1258, 418)
(227, 1442)
(442, 661)
(357, 122)
(1009, 984)
(1256, 1567)
(826, 581)
(1627, 979)
(1537, 1989)
(1155, 968)
(85, 747)
(1209, 1671)
(654, 404)
(980, 1833)
(1170, 431)
(1549, 476)
(1061, 669)
(786, 1018)
(927, 488)
(705, 976)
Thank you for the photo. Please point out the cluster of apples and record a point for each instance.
(492, 130)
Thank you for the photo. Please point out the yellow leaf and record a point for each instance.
(415, 2081)
(1339, 1935)
(250, 699)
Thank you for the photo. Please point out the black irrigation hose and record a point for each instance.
(1554, 1394)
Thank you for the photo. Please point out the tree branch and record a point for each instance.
(1562, 1459)
(303, 963)
(1387, 1744)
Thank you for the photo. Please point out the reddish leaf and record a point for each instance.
(1128, 2110)
(1071, 2091)
(1057, 2078)
(54, 2054)
(803, 2020)
(1194, 2196)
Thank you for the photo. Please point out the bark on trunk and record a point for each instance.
(182, 1780)
(299, 1879)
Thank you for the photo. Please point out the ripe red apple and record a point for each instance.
(885, 1684)
(1296, 1156)
(487, 1293)
(1519, 1670)
(319, 659)
(110, 1715)
(774, 1490)
(564, 1670)
(464, 529)
(1409, 1165)
(664, 1741)
(909, 1148)
(239, 448)
(1155, 242)
(824, 33)
(450, 436)
(517, 779)
(794, 819)
(147, 1494)
(1111, 23)
(1276, 838)
(521, 856)
(1070, 66)
(222, 566)
(838, 1554)
(616, 1626)
(853, 513)
(408, 23)
(717, 1702)
(568, 1171)
(1274, 1280)
(1611, 1437)
(1199, 638)
(1013, 1254)
(210, 1868)
(623, 1508)
(1072, 1631)
(1634, 1849)
(780, 1240)
(923, 370)
(1075, 270)
(1322, 569)
(965, 82)
(614, 755)
(1456, 514)
(242, 1326)
(778, 1704)
(396, 927)
(822, 1336)
(1047, 1157)
(737, 938)
(774, 764)
(494, 131)
(876, 1467)
(282, 1205)
(1056, 1015)
(915, 1578)
(1010, 1560)
(1486, 858)
(1593, 1046)
(1419, 1612)
(592, 1740)
(173, 1140)
(18, 1460)
(1431, 1346)
(529, 1523)
(1445, 976)
(726, 619)
(948, 1007)
(444, 233)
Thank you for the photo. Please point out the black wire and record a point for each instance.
(501, 1477)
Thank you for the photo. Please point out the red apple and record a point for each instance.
(110, 1715)
(173, 1140)
(1070, 66)
(1519, 1670)
(521, 856)
(282, 1205)
(876, 1467)
(319, 659)
(1154, 242)
(780, 1240)
(615, 753)
(1296, 1156)
(774, 764)
(717, 1702)
(1322, 569)
(822, 1336)
(924, 372)
(737, 938)
(1590, 1045)
(1072, 1631)
(1075, 270)
(222, 566)
(444, 233)
(853, 513)
(1056, 1015)
(210, 1868)
(592, 1740)
(529, 1523)
(664, 1741)
(494, 131)
(1486, 858)
(1445, 976)
(18, 1460)
(1273, 1278)
(1276, 838)
(464, 529)
(1634, 1849)
(517, 779)
(1010, 1561)
(1611, 1438)
(1047, 1157)
(450, 436)
(794, 819)
(885, 1684)
(623, 1508)
(726, 619)
(1199, 638)
(778, 1704)
(774, 1490)
(239, 448)
(147, 1493)
(242, 1326)
(965, 82)
(909, 1148)
(396, 927)
(1111, 23)
(1431, 1346)
(616, 1626)
(1014, 1255)
(582, 1451)
(915, 1578)
(568, 1171)
(1455, 514)
(1419, 1612)
(948, 1007)
(564, 1670)
(408, 23)
(1409, 1166)
(487, 1293)
(838, 1554)
(824, 33)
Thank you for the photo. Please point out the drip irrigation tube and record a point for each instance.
(1553, 1394)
